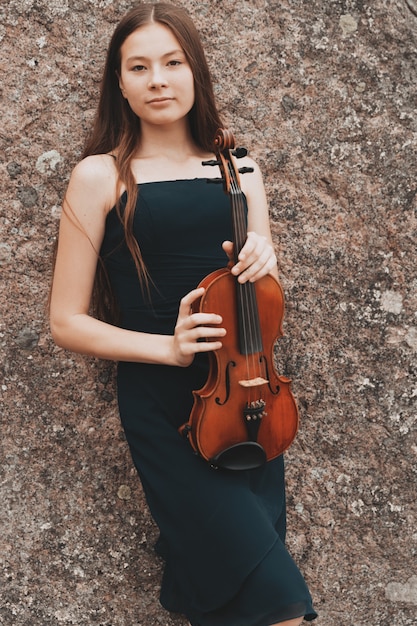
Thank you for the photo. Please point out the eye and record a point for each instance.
(174, 62)
(138, 68)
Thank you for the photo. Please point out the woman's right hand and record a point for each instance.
(195, 332)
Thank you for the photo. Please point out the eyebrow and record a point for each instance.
(138, 57)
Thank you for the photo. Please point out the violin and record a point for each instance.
(245, 414)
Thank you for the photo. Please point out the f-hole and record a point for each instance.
(227, 384)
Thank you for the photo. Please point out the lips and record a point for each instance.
(156, 100)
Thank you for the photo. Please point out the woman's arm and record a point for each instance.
(257, 257)
(90, 195)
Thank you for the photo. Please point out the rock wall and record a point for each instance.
(323, 93)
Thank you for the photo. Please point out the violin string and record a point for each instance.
(246, 327)
(250, 319)
(253, 308)
(242, 305)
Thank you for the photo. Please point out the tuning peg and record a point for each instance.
(240, 152)
(246, 170)
(212, 162)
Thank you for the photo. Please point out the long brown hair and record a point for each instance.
(117, 129)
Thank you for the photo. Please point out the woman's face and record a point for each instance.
(155, 76)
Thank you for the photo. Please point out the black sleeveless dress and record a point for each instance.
(221, 532)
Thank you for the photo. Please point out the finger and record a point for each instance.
(253, 244)
(254, 247)
(228, 248)
(188, 299)
(202, 333)
(201, 340)
(250, 265)
(258, 269)
(261, 265)
(204, 319)
(207, 346)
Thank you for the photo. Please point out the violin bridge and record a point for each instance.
(254, 382)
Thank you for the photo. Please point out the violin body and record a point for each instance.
(218, 427)
(245, 414)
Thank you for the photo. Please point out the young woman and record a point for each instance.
(140, 228)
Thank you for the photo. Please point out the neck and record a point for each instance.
(171, 141)
(168, 153)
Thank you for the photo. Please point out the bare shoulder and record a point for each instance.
(252, 181)
(96, 178)
(95, 168)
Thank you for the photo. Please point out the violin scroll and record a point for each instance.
(224, 147)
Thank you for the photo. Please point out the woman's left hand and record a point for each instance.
(256, 258)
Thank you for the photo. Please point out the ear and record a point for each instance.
(121, 84)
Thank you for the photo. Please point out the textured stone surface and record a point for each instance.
(323, 93)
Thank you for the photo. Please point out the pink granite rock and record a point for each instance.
(323, 94)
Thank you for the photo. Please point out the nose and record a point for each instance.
(157, 78)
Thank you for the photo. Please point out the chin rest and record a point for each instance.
(242, 456)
